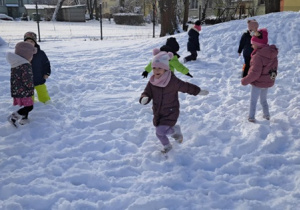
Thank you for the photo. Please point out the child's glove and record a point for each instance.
(144, 100)
(188, 74)
(145, 74)
(203, 92)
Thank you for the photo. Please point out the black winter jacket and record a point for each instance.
(193, 42)
(245, 45)
(40, 66)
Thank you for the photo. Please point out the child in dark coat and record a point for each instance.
(21, 81)
(245, 45)
(41, 68)
(193, 44)
(173, 47)
(162, 89)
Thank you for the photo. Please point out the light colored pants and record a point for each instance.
(42, 93)
(255, 93)
(162, 131)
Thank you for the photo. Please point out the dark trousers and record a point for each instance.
(192, 56)
(24, 111)
(247, 65)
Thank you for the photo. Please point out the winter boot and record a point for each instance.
(177, 135)
(252, 120)
(24, 121)
(13, 118)
(167, 148)
(266, 117)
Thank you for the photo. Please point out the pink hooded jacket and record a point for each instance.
(263, 61)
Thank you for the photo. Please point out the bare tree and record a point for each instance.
(186, 4)
(128, 6)
(236, 9)
(97, 10)
(91, 7)
(203, 16)
(57, 9)
(122, 3)
(168, 16)
(272, 6)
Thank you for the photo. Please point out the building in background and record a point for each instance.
(12, 8)
(290, 5)
(232, 8)
(244, 8)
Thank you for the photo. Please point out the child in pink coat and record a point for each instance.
(262, 72)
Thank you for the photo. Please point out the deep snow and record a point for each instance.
(94, 145)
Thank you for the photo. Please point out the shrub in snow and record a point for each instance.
(129, 19)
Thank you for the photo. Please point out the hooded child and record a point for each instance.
(245, 45)
(193, 44)
(41, 68)
(21, 81)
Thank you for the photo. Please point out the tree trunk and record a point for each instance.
(272, 6)
(185, 15)
(122, 3)
(57, 9)
(96, 10)
(90, 8)
(203, 16)
(169, 23)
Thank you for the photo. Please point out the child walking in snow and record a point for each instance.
(262, 72)
(162, 89)
(41, 68)
(193, 44)
(173, 47)
(21, 81)
(245, 45)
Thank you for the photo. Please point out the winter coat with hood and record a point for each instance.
(21, 80)
(40, 66)
(245, 44)
(165, 99)
(193, 42)
(263, 62)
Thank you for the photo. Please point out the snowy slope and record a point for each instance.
(94, 145)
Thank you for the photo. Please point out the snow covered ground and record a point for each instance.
(94, 146)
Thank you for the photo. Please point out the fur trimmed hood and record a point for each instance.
(15, 60)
